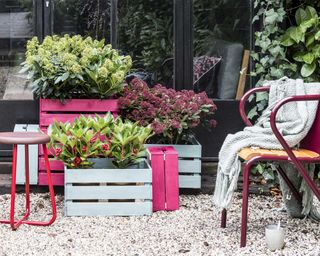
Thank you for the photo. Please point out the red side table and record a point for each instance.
(27, 138)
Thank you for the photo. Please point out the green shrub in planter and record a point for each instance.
(74, 67)
(78, 142)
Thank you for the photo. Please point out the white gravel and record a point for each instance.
(193, 230)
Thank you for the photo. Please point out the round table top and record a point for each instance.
(23, 138)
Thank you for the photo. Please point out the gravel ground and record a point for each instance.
(193, 230)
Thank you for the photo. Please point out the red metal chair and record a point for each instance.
(309, 152)
(27, 138)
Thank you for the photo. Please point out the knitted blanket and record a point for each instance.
(294, 120)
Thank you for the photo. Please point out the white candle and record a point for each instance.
(275, 237)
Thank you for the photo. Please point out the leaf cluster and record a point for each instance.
(74, 67)
(303, 41)
(171, 114)
(93, 137)
(270, 57)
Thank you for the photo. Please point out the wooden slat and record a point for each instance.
(79, 105)
(108, 208)
(184, 151)
(57, 179)
(108, 175)
(190, 181)
(108, 192)
(190, 166)
(47, 119)
(243, 74)
(55, 165)
(50, 151)
(248, 153)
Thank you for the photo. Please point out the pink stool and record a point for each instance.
(27, 138)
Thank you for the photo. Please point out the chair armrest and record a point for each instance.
(274, 126)
(244, 99)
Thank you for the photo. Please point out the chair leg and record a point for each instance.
(245, 195)
(223, 218)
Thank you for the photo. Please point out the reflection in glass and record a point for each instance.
(228, 20)
(84, 17)
(16, 27)
(146, 33)
(221, 33)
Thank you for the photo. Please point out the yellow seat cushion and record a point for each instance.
(248, 153)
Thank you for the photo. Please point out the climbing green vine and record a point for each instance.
(292, 52)
(303, 43)
(270, 61)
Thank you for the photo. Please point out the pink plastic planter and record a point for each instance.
(54, 110)
(165, 178)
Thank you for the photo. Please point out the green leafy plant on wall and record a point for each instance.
(270, 57)
(303, 43)
(292, 52)
(270, 60)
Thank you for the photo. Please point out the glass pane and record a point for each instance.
(82, 17)
(16, 27)
(146, 33)
(221, 36)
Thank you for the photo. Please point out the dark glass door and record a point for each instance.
(145, 31)
(84, 17)
(222, 38)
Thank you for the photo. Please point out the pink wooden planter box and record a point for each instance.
(165, 178)
(54, 110)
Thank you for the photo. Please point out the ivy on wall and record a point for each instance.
(288, 44)
(303, 43)
(270, 57)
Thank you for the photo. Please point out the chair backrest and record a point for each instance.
(312, 140)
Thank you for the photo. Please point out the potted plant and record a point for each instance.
(73, 76)
(172, 115)
(102, 163)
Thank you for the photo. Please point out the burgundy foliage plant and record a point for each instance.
(172, 114)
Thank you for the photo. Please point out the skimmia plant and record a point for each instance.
(74, 67)
(171, 114)
(78, 142)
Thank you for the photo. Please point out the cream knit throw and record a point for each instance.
(294, 120)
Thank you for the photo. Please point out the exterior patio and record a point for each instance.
(193, 230)
(135, 101)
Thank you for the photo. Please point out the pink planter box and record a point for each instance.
(54, 110)
(165, 178)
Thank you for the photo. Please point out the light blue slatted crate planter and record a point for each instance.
(33, 156)
(106, 191)
(189, 163)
